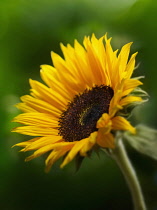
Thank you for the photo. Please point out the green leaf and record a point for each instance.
(145, 140)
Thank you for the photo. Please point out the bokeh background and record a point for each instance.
(29, 30)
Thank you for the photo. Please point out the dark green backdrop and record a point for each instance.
(29, 30)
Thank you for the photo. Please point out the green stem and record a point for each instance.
(120, 156)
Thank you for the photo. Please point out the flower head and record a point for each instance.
(80, 105)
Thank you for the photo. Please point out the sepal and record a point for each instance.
(78, 162)
(140, 93)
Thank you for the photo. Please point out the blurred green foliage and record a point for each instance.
(29, 30)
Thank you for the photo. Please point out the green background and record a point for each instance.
(29, 30)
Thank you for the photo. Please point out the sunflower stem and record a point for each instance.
(119, 154)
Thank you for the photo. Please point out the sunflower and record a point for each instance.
(78, 108)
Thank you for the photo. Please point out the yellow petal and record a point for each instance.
(105, 140)
(48, 148)
(25, 108)
(130, 66)
(129, 99)
(40, 106)
(56, 154)
(37, 119)
(35, 131)
(130, 85)
(89, 143)
(104, 121)
(50, 76)
(47, 94)
(73, 152)
(53, 157)
(120, 123)
(43, 141)
(40, 152)
(93, 60)
(114, 103)
(123, 57)
(26, 143)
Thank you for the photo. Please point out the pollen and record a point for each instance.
(79, 120)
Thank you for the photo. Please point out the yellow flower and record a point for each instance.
(79, 105)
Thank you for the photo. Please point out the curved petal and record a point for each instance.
(48, 148)
(104, 121)
(42, 142)
(120, 123)
(105, 140)
(54, 156)
(129, 99)
(30, 104)
(73, 152)
(35, 131)
(89, 143)
(36, 119)
(130, 85)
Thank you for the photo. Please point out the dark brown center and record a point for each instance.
(79, 120)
